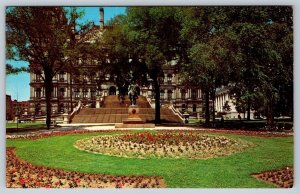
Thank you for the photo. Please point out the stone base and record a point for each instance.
(134, 120)
(145, 125)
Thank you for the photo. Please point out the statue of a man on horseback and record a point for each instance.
(132, 93)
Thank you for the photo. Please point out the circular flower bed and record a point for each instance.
(163, 145)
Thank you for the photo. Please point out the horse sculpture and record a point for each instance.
(132, 94)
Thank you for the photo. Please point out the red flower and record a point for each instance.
(22, 181)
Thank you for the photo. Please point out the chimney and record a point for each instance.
(101, 18)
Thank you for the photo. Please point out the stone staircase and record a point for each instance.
(113, 102)
(115, 112)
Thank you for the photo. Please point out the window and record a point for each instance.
(183, 107)
(62, 92)
(38, 76)
(170, 95)
(162, 94)
(77, 93)
(84, 79)
(161, 79)
(194, 94)
(61, 108)
(61, 76)
(93, 94)
(85, 93)
(194, 108)
(183, 93)
(92, 77)
(38, 92)
(169, 79)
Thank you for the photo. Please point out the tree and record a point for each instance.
(265, 57)
(39, 35)
(226, 107)
(15, 70)
(152, 43)
(207, 53)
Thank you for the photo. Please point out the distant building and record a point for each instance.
(15, 108)
(223, 97)
(9, 108)
(21, 108)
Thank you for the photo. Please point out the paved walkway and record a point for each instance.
(95, 127)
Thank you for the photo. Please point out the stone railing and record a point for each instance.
(150, 102)
(76, 110)
(176, 112)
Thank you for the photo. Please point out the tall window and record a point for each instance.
(194, 108)
(38, 76)
(183, 94)
(85, 93)
(169, 79)
(93, 94)
(61, 76)
(84, 79)
(92, 77)
(162, 94)
(194, 94)
(77, 93)
(38, 92)
(62, 92)
(170, 95)
(183, 107)
(161, 79)
(62, 108)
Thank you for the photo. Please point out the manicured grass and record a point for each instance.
(233, 171)
(25, 125)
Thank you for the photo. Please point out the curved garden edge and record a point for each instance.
(283, 177)
(21, 174)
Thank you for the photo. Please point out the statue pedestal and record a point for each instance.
(133, 116)
(134, 120)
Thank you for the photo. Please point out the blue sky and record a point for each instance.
(18, 85)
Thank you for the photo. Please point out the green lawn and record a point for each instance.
(25, 125)
(223, 172)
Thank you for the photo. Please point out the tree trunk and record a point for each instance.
(248, 109)
(157, 99)
(270, 114)
(71, 91)
(207, 114)
(213, 95)
(48, 91)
